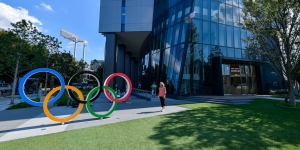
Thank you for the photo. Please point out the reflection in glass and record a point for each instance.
(229, 19)
(198, 9)
(196, 31)
(222, 13)
(169, 37)
(243, 38)
(183, 32)
(238, 53)
(236, 17)
(206, 32)
(176, 31)
(172, 16)
(206, 9)
(214, 11)
(223, 51)
(179, 11)
(237, 38)
(222, 35)
(229, 36)
(214, 34)
(230, 52)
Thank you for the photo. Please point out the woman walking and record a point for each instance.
(162, 95)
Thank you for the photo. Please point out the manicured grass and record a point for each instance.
(282, 103)
(260, 125)
(22, 105)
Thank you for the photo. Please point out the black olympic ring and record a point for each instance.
(70, 93)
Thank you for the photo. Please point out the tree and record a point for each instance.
(23, 48)
(275, 30)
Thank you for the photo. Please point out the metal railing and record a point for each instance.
(142, 93)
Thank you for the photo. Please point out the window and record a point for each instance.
(214, 34)
(223, 51)
(172, 16)
(206, 32)
(230, 52)
(179, 11)
(229, 36)
(206, 9)
(198, 9)
(238, 53)
(176, 31)
(214, 11)
(237, 38)
(222, 13)
(222, 35)
(206, 52)
(197, 31)
(243, 38)
(183, 32)
(236, 17)
(229, 19)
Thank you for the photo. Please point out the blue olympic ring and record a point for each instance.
(40, 104)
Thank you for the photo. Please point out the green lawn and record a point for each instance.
(260, 125)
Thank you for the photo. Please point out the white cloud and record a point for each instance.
(48, 7)
(12, 15)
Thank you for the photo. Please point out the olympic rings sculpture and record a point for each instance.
(90, 98)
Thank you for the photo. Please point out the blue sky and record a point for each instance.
(78, 17)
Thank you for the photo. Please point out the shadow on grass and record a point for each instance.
(43, 126)
(260, 125)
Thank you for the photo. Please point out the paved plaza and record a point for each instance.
(27, 122)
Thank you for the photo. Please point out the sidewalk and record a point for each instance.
(27, 122)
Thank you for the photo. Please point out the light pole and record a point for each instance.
(75, 39)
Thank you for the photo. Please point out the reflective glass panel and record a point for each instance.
(229, 19)
(229, 36)
(236, 17)
(237, 38)
(196, 32)
(223, 51)
(214, 11)
(198, 9)
(222, 35)
(230, 52)
(243, 38)
(206, 9)
(238, 53)
(222, 13)
(183, 32)
(206, 32)
(214, 34)
(179, 11)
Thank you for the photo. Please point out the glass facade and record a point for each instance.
(178, 52)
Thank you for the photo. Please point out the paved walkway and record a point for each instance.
(27, 122)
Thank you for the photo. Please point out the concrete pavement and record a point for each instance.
(27, 122)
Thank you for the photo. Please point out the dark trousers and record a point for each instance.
(162, 101)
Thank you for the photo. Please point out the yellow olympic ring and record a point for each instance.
(50, 116)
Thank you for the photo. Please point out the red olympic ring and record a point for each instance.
(128, 81)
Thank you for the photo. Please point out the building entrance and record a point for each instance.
(239, 79)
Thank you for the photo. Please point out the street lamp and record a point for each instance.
(75, 39)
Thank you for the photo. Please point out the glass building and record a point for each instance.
(196, 47)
